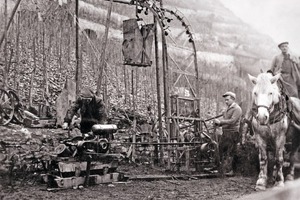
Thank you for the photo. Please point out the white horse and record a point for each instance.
(270, 124)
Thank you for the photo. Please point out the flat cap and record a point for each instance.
(282, 44)
(229, 94)
(86, 93)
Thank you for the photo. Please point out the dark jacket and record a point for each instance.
(92, 111)
(277, 65)
(289, 80)
(231, 118)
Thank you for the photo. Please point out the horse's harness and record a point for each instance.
(277, 111)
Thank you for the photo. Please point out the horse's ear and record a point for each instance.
(275, 78)
(252, 79)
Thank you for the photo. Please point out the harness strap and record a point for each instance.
(263, 106)
(279, 111)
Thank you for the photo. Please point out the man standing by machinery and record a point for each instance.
(230, 137)
(72, 166)
(92, 111)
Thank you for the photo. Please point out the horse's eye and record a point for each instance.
(270, 93)
(255, 94)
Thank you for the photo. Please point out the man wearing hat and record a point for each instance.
(288, 66)
(230, 127)
(92, 111)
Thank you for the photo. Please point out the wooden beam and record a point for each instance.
(103, 51)
(128, 2)
(10, 20)
(78, 72)
(172, 177)
(186, 118)
(160, 143)
(160, 130)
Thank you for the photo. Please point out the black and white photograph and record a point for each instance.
(150, 99)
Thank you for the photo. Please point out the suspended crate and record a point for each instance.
(137, 43)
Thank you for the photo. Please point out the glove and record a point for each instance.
(65, 126)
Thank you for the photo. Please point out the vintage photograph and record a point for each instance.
(150, 99)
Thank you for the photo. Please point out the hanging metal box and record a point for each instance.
(137, 43)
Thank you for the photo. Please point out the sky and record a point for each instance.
(279, 19)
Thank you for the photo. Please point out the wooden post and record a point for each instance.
(125, 85)
(105, 96)
(17, 54)
(134, 117)
(166, 87)
(5, 73)
(198, 93)
(78, 74)
(88, 171)
(60, 43)
(137, 82)
(117, 79)
(6, 27)
(217, 102)
(45, 72)
(187, 159)
(102, 58)
(158, 90)
(217, 152)
(33, 72)
(69, 29)
(9, 61)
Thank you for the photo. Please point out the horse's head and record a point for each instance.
(265, 95)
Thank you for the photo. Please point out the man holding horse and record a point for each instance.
(230, 137)
(288, 66)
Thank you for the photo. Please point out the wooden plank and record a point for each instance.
(72, 166)
(168, 177)
(186, 118)
(40, 123)
(187, 159)
(158, 143)
(74, 182)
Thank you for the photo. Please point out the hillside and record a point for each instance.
(219, 30)
(227, 47)
(216, 30)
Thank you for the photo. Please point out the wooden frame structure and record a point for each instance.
(159, 14)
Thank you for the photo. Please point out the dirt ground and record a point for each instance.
(213, 189)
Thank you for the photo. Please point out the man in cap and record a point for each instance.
(230, 137)
(288, 66)
(92, 111)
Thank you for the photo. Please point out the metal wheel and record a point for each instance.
(6, 108)
(19, 110)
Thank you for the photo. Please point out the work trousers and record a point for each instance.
(228, 150)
